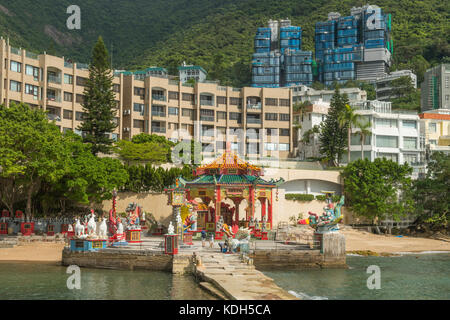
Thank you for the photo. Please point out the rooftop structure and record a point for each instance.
(188, 72)
(435, 127)
(383, 84)
(304, 93)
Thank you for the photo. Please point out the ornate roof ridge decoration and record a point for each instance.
(229, 160)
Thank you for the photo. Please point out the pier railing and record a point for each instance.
(305, 242)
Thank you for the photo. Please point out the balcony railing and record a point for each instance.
(68, 64)
(52, 116)
(206, 102)
(32, 55)
(53, 79)
(207, 118)
(54, 98)
(253, 121)
(82, 66)
(16, 51)
(158, 97)
(159, 129)
(256, 106)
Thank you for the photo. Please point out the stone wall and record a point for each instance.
(333, 248)
(119, 259)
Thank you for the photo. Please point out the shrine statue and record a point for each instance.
(171, 229)
(251, 222)
(329, 219)
(119, 226)
(257, 226)
(92, 226)
(103, 228)
(194, 221)
(264, 224)
(79, 228)
(219, 224)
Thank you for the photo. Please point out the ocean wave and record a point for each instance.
(354, 255)
(421, 252)
(304, 296)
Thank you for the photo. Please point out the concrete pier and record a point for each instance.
(237, 280)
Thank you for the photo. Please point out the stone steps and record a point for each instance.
(213, 290)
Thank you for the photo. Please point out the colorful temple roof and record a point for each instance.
(229, 164)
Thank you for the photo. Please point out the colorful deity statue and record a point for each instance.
(219, 224)
(328, 221)
(264, 224)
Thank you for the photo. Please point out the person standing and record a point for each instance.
(203, 238)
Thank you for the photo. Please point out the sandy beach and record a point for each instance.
(35, 251)
(363, 241)
(355, 241)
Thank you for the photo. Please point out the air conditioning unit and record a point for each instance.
(126, 129)
(126, 112)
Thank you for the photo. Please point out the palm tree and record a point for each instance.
(363, 133)
(349, 119)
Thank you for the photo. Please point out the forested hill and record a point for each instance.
(217, 34)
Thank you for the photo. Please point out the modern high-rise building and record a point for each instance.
(278, 60)
(435, 89)
(356, 47)
(257, 121)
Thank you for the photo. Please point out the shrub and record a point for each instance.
(299, 197)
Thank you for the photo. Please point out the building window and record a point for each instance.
(116, 88)
(410, 158)
(173, 110)
(391, 123)
(68, 79)
(32, 71)
(271, 102)
(139, 92)
(221, 115)
(284, 146)
(81, 81)
(235, 116)
(284, 117)
(68, 96)
(79, 98)
(409, 124)
(138, 124)
(79, 115)
(15, 86)
(207, 115)
(271, 116)
(159, 111)
(68, 114)
(409, 143)
(433, 142)
(271, 132)
(221, 100)
(173, 95)
(138, 107)
(188, 113)
(432, 127)
(16, 66)
(33, 90)
(236, 101)
(387, 142)
(284, 103)
(284, 132)
(188, 97)
(270, 146)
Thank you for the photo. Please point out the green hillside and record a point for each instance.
(217, 34)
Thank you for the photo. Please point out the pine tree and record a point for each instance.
(333, 137)
(99, 102)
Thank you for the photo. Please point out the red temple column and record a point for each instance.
(263, 207)
(252, 203)
(269, 218)
(236, 205)
(218, 201)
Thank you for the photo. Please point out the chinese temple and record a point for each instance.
(229, 177)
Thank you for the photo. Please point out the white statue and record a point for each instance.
(69, 228)
(194, 221)
(79, 228)
(119, 227)
(102, 229)
(171, 229)
(92, 226)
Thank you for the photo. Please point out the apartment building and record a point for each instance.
(49, 83)
(435, 89)
(187, 72)
(394, 135)
(304, 93)
(257, 121)
(383, 85)
(435, 127)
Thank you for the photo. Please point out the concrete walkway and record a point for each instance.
(238, 280)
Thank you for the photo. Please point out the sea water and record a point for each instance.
(43, 281)
(409, 276)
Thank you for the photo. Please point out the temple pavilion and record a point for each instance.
(229, 177)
